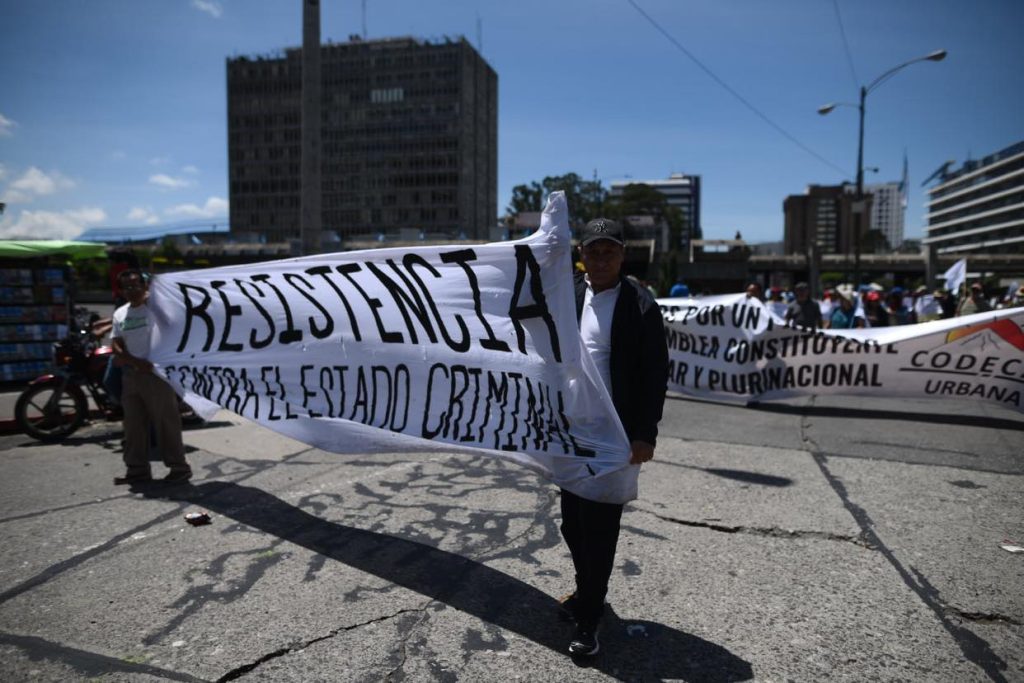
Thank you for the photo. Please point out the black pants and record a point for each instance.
(591, 530)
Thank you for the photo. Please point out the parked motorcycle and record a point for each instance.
(55, 405)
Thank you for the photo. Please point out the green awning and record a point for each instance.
(38, 248)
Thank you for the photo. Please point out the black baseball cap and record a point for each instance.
(601, 229)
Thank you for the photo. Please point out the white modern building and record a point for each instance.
(888, 210)
(980, 206)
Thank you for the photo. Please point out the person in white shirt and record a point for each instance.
(148, 401)
(623, 331)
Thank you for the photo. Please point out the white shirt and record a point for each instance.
(779, 308)
(596, 328)
(132, 325)
(927, 306)
(825, 306)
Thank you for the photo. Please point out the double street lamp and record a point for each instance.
(936, 56)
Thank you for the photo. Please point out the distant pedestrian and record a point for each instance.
(896, 311)
(946, 303)
(875, 314)
(844, 316)
(805, 311)
(974, 302)
(754, 291)
(679, 290)
(826, 304)
(926, 306)
(776, 303)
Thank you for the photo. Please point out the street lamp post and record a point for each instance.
(936, 56)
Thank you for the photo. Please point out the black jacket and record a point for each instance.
(639, 359)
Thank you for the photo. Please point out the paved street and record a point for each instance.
(818, 538)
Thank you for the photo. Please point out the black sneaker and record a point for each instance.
(567, 606)
(178, 477)
(129, 479)
(584, 643)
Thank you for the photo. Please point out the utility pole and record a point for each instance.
(859, 207)
(310, 196)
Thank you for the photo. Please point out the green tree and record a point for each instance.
(875, 242)
(585, 198)
(526, 198)
(639, 199)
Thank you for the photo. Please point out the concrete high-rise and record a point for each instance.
(888, 210)
(408, 141)
(979, 208)
(822, 217)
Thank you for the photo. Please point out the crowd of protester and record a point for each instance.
(845, 307)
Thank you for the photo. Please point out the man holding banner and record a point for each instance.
(149, 402)
(622, 330)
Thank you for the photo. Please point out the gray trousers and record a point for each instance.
(148, 401)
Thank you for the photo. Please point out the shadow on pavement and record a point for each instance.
(900, 415)
(631, 650)
(747, 477)
(863, 413)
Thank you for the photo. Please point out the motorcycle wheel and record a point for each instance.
(49, 413)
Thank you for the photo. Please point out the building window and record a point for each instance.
(387, 95)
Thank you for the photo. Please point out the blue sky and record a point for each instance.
(112, 112)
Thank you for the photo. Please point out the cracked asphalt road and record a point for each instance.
(840, 537)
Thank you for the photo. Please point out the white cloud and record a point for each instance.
(215, 207)
(10, 196)
(190, 169)
(168, 182)
(35, 183)
(144, 215)
(3, 172)
(159, 161)
(211, 7)
(6, 126)
(60, 225)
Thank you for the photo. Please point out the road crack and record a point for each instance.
(403, 649)
(982, 617)
(771, 532)
(974, 648)
(240, 671)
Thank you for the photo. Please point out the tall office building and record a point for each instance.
(823, 216)
(980, 206)
(888, 209)
(409, 141)
(680, 190)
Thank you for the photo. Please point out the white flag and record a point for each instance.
(956, 275)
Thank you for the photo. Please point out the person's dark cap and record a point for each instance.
(800, 285)
(977, 287)
(601, 229)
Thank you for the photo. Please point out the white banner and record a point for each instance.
(731, 348)
(956, 275)
(458, 348)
